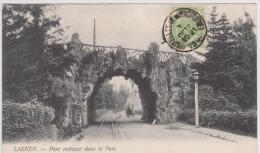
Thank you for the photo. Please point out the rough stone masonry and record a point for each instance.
(162, 83)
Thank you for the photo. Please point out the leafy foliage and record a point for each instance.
(33, 64)
(242, 122)
(230, 64)
(19, 119)
(27, 32)
(150, 58)
(104, 97)
(210, 100)
(121, 97)
(109, 98)
(66, 89)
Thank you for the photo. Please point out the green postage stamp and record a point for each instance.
(184, 29)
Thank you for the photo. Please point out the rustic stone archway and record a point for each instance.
(162, 77)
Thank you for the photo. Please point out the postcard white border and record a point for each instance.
(257, 2)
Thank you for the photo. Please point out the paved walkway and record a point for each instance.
(212, 132)
(140, 137)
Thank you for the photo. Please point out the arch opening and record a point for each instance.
(147, 97)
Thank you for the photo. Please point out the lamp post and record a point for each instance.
(196, 96)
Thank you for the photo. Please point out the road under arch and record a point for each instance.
(147, 96)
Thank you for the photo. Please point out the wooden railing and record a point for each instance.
(162, 55)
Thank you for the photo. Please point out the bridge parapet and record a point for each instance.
(162, 56)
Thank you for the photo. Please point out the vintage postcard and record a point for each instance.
(129, 77)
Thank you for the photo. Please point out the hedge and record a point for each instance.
(32, 121)
(241, 122)
(211, 100)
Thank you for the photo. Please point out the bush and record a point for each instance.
(214, 100)
(47, 132)
(241, 122)
(27, 120)
(210, 100)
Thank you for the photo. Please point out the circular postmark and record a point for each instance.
(184, 30)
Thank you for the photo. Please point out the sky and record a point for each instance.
(132, 25)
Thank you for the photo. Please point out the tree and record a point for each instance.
(246, 69)
(230, 64)
(212, 25)
(27, 32)
(111, 99)
(220, 46)
(121, 97)
(104, 97)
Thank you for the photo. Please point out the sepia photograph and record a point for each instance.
(129, 77)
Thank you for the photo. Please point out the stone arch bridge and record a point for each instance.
(161, 77)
